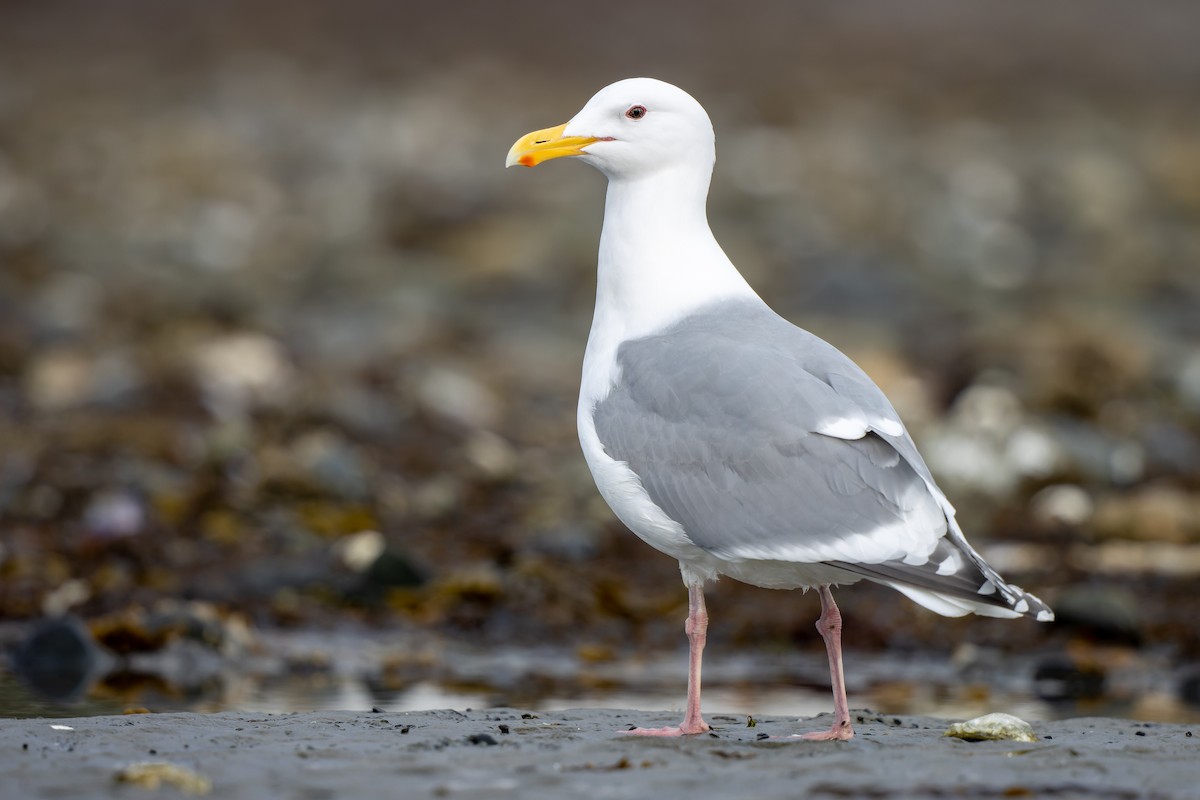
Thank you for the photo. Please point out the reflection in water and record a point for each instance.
(57, 670)
(757, 701)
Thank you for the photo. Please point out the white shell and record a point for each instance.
(993, 727)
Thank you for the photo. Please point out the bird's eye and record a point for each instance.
(636, 112)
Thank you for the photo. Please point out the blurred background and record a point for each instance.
(288, 361)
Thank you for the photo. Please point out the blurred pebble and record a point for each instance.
(966, 460)
(1062, 504)
(115, 514)
(59, 379)
(359, 550)
(1102, 612)
(993, 727)
(1033, 453)
(241, 371)
(153, 775)
(491, 455)
(459, 396)
(991, 410)
(984, 445)
(435, 497)
(393, 569)
(59, 658)
(1060, 679)
(66, 596)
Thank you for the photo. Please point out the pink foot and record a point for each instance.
(673, 730)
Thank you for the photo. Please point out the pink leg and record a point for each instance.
(830, 628)
(697, 628)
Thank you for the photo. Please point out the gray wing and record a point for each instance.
(765, 442)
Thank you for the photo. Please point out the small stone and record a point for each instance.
(993, 727)
(153, 774)
(460, 397)
(358, 551)
(491, 455)
(240, 371)
(59, 379)
(115, 514)
(1064, 504)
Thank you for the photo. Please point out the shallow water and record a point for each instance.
(318, 671)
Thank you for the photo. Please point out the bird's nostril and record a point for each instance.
(541, 141)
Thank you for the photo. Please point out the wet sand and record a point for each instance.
(499, 753)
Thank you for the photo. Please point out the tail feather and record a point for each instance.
(953, 581)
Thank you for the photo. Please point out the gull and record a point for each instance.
(725, 436)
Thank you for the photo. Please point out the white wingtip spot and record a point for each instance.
(987, 588)
(951, 565)
(1045, 616)
(891, 427)
(1021, 607)
(844, 428)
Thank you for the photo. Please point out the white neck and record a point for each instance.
(658, 262)
(658, 257)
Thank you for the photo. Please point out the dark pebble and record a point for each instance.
(1060, 679)
(404, 728)
(503, 728)
(482, 738)
(762, 736)
(1139, 733)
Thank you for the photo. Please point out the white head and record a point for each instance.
(629, 129)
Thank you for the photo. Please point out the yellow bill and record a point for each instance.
(534, 148)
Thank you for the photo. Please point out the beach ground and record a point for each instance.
(504, 752)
